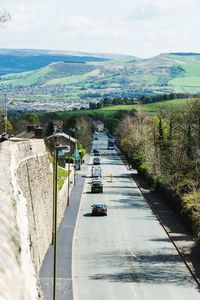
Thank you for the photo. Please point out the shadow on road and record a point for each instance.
(91, 215)
(147, 267)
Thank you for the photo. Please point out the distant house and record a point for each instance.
(31, 132)
(61, 138)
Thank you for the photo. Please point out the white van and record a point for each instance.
(96, 171)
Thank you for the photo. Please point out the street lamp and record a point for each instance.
(64, 149)
(56, 138)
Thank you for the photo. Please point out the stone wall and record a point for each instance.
(25, 216)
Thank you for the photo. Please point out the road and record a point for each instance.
(126, 255)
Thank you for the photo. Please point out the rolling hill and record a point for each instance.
(17, 61)
(82, 76)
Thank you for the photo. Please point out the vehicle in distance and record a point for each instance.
(99, 209)
(96, 152)
(111, 144)
(94, 179)
(77, 167)
(96, 171)
(97, 187)
(96, 161)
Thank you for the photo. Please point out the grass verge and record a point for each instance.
(62, 175)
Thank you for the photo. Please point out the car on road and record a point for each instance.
(99, 209)
(96, 152)
(96, 161)
(95, 179)
(111, 144)
(77, 166)
(4, 137)
(97, 187)
(96, 171)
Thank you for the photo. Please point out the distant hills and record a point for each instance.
(84, 76)
(16, 61)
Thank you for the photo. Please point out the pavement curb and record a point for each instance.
(75, 227)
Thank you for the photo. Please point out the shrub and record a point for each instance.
(191, 206)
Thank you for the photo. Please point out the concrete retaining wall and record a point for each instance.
(25, 216)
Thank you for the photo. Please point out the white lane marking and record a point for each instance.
(133, 254)
(133, 290)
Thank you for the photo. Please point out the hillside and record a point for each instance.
(17, 61)
(82, 78)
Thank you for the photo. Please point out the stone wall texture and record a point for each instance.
(25, 216)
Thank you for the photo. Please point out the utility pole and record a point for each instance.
(54, 192)
(55, 227)
(6, 113)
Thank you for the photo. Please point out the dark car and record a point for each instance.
(4, 137)
(97, 187)
(99, 209)
(96, 161)
(96, 152)
(77, 166)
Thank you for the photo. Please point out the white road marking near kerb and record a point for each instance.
(132, 288)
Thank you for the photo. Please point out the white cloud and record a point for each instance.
(144, 9)
(138, 27)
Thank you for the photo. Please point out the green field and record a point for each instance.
(27, 78)
(122, 76)
(189, 81)
(152, 108)
(66, 80)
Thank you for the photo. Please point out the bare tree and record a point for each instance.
(4, 16)
(84, 131)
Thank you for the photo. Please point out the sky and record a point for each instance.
(142, 28)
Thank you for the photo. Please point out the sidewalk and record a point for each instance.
(64, 248)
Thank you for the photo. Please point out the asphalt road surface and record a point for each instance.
(127, 254)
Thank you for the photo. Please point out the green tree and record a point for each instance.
(31, 118)
(49, 129)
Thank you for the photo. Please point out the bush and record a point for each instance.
(191, 206)
(142, 169)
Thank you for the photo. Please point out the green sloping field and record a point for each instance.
(165, 73)
(27, 78)
(190, 81)
(149, 109)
